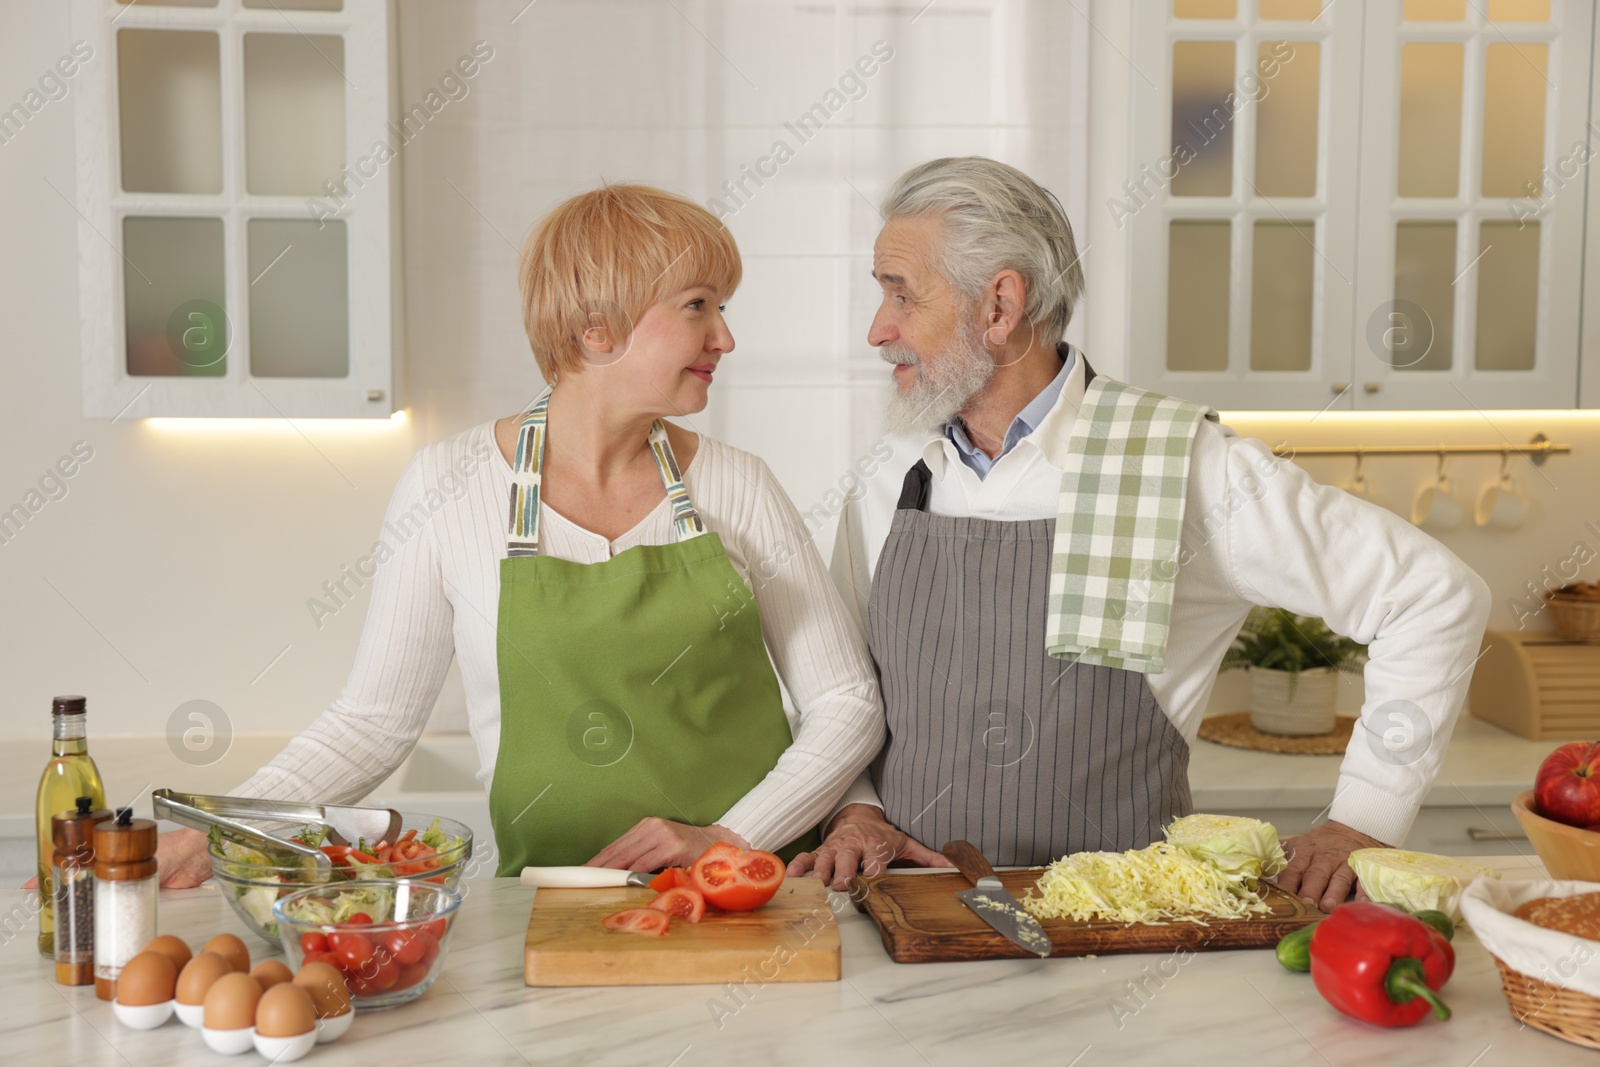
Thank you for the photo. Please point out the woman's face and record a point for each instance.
(666, 363)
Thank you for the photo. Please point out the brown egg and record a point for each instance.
(174, 948)
(231, 1002)
(330, 996)
(148, 978)
(285, 1011)
(231, 949)
(269, 973)
(199, 974)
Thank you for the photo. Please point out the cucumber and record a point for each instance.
(1294, 950)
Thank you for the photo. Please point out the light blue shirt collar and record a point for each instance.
(1026, 421)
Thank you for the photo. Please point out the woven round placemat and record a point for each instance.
(1235, 731)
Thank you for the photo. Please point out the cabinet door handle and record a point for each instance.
(1372, 387)
(1340, 387)
(1477, 834)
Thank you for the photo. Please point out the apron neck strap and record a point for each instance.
(528, 460)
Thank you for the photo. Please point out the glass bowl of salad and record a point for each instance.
(388, 937)
(428, 849)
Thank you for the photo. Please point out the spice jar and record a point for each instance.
(72, 879)
(124, 896)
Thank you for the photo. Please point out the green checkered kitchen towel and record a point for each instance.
(1115, 556)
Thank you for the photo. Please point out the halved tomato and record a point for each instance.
(734, 880)
(681, 902)
(638, 921)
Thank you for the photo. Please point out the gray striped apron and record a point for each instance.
(991, 739)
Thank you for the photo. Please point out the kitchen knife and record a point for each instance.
(582, 877)
(990, 902)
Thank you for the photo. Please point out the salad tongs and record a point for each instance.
(345, 825)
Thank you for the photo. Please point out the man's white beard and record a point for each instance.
(938, 396)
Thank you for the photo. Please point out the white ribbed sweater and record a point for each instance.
(436, 594)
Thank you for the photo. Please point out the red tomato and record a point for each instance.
(638, 921)
(742, 881)
(320, 957)
(411, 974)
(311, 941)
(355, 950)
(386, 972)
(410, 857)
(360, 918)
(670, 878)
(681, 903)
(434, 928)
(404, 945)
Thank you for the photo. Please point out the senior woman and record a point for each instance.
(622, 593)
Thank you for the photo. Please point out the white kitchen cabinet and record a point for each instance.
(1356, 206)
(235, 191)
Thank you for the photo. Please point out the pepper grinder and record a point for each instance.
(124, 896)
(72, 881)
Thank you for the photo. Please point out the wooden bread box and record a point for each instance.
(1538, 685)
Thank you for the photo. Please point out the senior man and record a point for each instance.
(1052, 564)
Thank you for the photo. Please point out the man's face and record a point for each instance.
(925, 327)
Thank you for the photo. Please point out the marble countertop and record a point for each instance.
(1213, 1008)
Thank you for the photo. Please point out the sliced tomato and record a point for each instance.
(740, 881)
(670, 878)
(410, 857)
(638, 921)
(680, 902)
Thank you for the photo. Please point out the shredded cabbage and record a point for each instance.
(373, 902)
(1416, 881)
(1158, 884)
(1241, 848)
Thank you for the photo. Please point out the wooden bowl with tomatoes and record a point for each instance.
(388, 937)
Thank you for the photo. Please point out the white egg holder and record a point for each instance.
(233, 1042)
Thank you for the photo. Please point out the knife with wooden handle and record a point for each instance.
(582, 877)
(990, 901)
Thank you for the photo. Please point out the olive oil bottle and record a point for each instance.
(70, 774)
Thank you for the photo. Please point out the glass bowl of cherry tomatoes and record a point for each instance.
(388, 937)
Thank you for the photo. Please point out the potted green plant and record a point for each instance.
(1294, 663)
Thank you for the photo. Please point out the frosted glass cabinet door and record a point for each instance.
(173, 291)
(169, 88)
(299, 306)
(293, 113)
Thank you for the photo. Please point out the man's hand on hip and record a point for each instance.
(1318, 872)
(860, 838)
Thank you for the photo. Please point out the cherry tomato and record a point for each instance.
(312, 941)
(360, 918)
(430, 951)
(320, 957)
(742, 881)
(411, 974)
(647, 921)
(434, 928)
(406, 946)
(681, 902)
(355, 950)
(387, 972)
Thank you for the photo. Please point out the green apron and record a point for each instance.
(634, 687)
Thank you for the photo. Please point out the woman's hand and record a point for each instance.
(655, 843)
(182, 859)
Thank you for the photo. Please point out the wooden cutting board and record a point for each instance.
(792, 938)
(922, 921)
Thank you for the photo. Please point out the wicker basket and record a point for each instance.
(1575, 619)
(1558, 1011)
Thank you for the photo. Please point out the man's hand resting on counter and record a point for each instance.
(861, 838)
(1318, 872)
(655, 843)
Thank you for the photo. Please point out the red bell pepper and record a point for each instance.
(1378, 964)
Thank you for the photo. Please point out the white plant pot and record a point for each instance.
(1310, 712)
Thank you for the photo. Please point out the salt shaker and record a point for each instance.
(124, 896)
(72, 879)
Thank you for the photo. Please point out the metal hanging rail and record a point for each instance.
(1537, 450)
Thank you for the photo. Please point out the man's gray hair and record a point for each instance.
(997, 218)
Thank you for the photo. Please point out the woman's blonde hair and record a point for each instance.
(603, 257)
